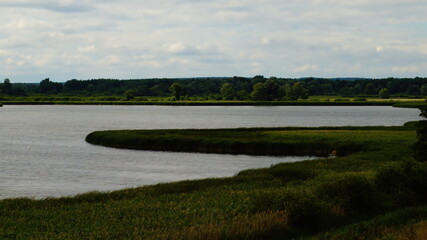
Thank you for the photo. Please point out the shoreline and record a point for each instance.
(402, 104)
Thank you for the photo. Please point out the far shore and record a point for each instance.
(397, 103)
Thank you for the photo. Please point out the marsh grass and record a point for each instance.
(276, 141)
(59, 99)
(371, 193)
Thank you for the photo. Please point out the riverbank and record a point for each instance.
(410, 103)
(377, 188)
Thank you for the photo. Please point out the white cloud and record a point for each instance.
(87, 49)
(177, 47)
(306, 68)
(111, 59)
(406, 69)
(379, 48)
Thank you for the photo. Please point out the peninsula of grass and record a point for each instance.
(376, 190)
(251, 141)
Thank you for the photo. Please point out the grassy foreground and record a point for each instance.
(376, 192)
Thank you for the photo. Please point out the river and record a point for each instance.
(43, 152)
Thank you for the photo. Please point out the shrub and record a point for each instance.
(404, 184)
(384, 93)
(420, 147)
(390, 179)
(301, 206)
(352, 193)
(291, 172)
(344, 149)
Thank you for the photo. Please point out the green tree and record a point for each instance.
(271, 89)
(420, 147)
(384, 93)
(327, 88)
(370, 89)
(242, 95)
(227, 91)
(7, 86)
(296, 91)
(346, 91)
(46, 86)
(175, 89)
(267, 91)
(413, 90)
(282, 93)
(129, 94)
(259, 93)
(288, 91)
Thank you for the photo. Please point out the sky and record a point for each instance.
(129, 39)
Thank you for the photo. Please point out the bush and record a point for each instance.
(352, 193)
(301, 206)
(391, 179)
(384, 93)
(404, 184)
(420, 147)
(291, 173)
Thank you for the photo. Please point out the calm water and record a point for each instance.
(43, 152)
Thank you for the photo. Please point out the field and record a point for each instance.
(374, 190)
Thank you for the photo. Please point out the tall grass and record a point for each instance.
(121, 100)
(266, 141)
(368, 194)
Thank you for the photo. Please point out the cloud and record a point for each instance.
(379, 48)
(406, 69)
(87, 49)
(55, 6)
(68, 39)
(306, 68)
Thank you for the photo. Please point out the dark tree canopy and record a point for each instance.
(227, 91)
(175, 89)
(46, 86)
(384, 93)
(6, 87)
(420, 147)
(244, 88)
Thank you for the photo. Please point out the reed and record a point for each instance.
(371, 193)
(266, 141)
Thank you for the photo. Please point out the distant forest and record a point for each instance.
(232, 88)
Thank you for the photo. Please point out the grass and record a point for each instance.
(121, 100)
(261, 141)
(373, 193)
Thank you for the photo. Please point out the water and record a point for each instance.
(43, 152)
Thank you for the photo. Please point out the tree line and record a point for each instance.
(230, 88)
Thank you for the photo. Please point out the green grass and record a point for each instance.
(261, 141)
(378, 188)
(195, 101)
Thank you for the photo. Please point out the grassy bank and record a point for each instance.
(206, 103)
(372, 193)
(120, 100)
